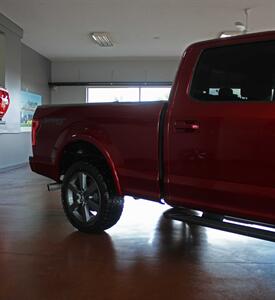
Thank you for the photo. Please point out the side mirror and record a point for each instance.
(4, 102)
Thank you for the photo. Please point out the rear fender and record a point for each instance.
(67, 137)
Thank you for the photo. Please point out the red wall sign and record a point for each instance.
(4, 102)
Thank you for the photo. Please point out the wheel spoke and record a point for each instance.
(85, 213)
(82, 181)
(73, 188)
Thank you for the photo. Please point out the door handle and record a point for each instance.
(186, 126)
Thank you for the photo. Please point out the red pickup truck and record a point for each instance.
(211, 147)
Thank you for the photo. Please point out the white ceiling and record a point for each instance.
(59, 29)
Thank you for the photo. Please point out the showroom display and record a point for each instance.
(210, 148)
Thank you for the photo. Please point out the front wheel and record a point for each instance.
(88, 200)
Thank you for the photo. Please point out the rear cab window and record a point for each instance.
(236, 73)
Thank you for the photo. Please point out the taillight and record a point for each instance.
(35, 126)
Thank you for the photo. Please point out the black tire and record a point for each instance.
(88, 199)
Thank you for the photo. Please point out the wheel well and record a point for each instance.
(83, 151)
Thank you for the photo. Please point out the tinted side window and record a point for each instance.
(236, 73)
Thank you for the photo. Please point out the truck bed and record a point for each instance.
(128, 133)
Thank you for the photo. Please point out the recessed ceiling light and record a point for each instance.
(102, 39)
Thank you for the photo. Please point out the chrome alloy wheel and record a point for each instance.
(83, 197)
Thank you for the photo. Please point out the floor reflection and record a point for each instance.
(144, 256)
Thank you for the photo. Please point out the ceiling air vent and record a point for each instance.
(102, 39)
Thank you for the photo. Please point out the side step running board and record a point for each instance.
(218, 222)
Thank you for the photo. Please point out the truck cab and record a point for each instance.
(220, 138)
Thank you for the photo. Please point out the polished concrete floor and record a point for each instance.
(143, 257)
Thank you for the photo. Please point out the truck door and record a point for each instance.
(221, 134)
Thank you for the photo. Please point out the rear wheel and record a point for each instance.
(89, 200)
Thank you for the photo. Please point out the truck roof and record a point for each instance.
(242, 38)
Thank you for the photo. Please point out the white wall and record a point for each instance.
(15, 147)
(2, 59)
(12, 76)
(68, 95)
(127, 70)
(35, 73)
